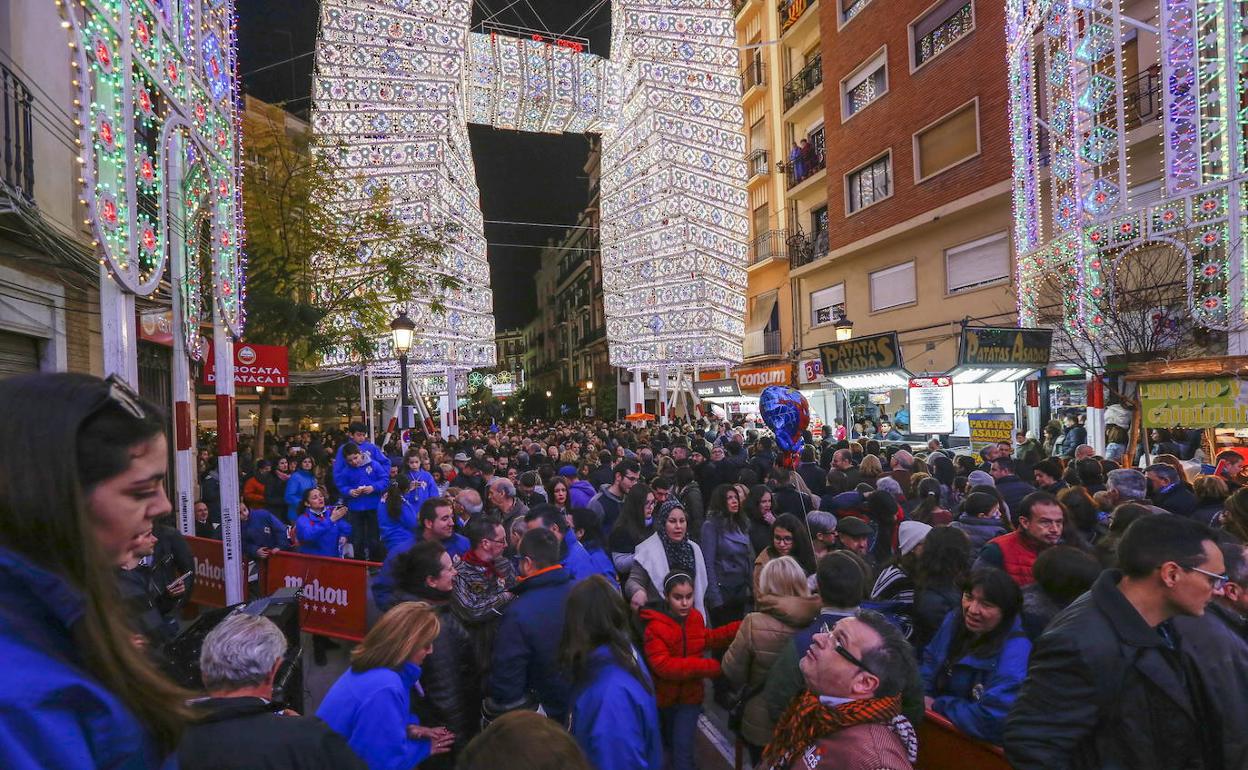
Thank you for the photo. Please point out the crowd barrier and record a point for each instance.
(943, 747)
(334, 599)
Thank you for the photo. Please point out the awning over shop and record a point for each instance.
(865, 363)
(1001, 354)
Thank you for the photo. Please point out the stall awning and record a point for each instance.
(965, 375)
(890, 379)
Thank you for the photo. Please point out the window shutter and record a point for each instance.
(936, 17)
(892, 287)
(823, 301)
(978, 262)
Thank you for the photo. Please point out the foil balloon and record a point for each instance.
(786, 412)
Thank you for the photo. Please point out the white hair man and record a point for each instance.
(240, 727)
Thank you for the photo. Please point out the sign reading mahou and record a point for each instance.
(1005, 347)
(877, 353)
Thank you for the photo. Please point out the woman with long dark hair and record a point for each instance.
(975, 665)
(729, 556)
(82, 471)
(882, 512)
(930, 509)
(397, 516)
(943, 562)
(760, 509)
(614, 713)
(789, 537)
(635, 523)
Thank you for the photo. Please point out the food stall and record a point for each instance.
(870, 372)
(1207, 394)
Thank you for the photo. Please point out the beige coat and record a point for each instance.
(759, 642)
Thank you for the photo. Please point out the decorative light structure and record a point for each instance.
(398, 82)
(1078, 102)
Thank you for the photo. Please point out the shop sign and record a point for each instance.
(209, 558)
(1208, 402)
(254, 365)
(757, 379)
(333, 593)
(991, 427)
(1005, 347)
(157, 327)
(810, 372)
(717, 389)
(862, 355)
(931, 404)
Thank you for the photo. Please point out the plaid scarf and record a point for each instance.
(807, 720)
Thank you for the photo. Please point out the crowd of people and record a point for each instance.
(564, 592)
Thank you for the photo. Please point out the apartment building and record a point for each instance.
(509, 350)
(913, 236)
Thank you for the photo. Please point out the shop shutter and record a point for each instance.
(19, 354)
(980, 262)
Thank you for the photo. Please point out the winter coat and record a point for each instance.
(396, 534)
(931, 605)
(816, 478)
(296, 487)
(759, 641)
(253, 492)
(1013, 490)
(695, 510)
(272, 741)
(582, 562)
(383, 582)
(650, 569)
(53, 714)
(980, 531)
(1072, 437)
(729, 562)
(1213, 645)
(318, 535)
(1015, 552)
(606, 504)
(526, 649)
(580, 492)
(976, 691)
(371, 450)
(372, 710)
(425, 486)
(859, 747)
(1039, 609)
(1179, 500)
(1105, 690)
(263, 530)
(675, 653)
(275, 494)
(614, 717)
(372, 474)
(449, 674)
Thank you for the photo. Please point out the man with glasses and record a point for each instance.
(850, 716)
(484, 577)
(1111, 682)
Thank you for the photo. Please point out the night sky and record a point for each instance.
(523, 177)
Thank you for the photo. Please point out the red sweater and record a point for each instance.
(674, 652)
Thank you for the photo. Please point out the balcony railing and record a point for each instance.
(806, 160)
(738, 6)
(805, 81)
(754, 74)
(804, 249)
(762, 343)
(768, 245)
(791, 11)
(15, 135)
(1141, 97)
(757, 163)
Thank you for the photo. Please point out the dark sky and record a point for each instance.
(523, 177)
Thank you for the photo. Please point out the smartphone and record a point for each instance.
(183, 577)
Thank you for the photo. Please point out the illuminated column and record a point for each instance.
(227, 461)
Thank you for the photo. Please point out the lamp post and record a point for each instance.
(844, 329)
(402, 329)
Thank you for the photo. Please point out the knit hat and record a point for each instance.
(979, 479)
(568, 471)
(910, 534)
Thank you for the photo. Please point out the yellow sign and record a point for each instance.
(991, 427)
(1215, 402)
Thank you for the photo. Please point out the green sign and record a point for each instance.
(877, 353)
(1213, 402)
(1005, 347)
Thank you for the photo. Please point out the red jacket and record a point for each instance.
(1018, 556)
(674, 653)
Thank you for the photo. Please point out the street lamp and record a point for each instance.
(589, 385)
(844, 328)
(549, 394)
(403, 329)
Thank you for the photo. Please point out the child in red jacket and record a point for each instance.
(676, 637)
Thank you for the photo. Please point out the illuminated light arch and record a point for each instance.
(398, 81)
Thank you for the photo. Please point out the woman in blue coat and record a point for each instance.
(614, 716)
(397, 516)
(319, 531)
(77, 692)
(973, 668)
(370, 704)
(303, 479)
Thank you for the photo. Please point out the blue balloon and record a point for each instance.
(787, 413)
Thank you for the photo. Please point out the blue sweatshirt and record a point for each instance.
(383, 582)
(369, 448)
(426, 487)
(615, 719)
(372, 711)
(318, 534)
(396, 534)
(296, 486)
(263, 530)
(372, 474)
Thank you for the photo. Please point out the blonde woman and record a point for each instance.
(369, 705)
(784, 606)
(870, 469)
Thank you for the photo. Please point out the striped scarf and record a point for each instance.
(807, 720)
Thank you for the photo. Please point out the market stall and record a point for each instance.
(870, 372)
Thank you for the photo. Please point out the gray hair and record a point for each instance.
(240, 652)
(504, 485)
(890, 485)
(1129, 483)
(1167, 472)
(820, 522)
(470, 501)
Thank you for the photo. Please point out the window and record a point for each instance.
(826, 305)
(869, 184)
(819, 219)
(947, 142)
(978, 263)
(850, 8)
(868, 83)
(758, 135)
(762, 218)
(942, 26)
(892, 287)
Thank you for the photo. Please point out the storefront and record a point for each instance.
(749, 383)
(992, 363)
(869, 371)
(826, 403)
(1207, 394)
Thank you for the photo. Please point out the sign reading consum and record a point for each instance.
(931, 404)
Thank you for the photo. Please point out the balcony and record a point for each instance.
(804, 249)
(754, 74)
(768, 245)
(738, 6)
(762, 343)
(809, 159)
(804, 82)
(1141, 97)
(791, 11)
(757, 163)
(15, 135)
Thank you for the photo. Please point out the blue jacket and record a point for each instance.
(383, 582)
(372, 711)
(296, 486)
(372, 474)
(396, 534)
(978, 692)
(615, 719)
(426, 487)
(526, 648)
(581, 563)
(263, 530)
(372, 450)
(52, 712)
(318, 535)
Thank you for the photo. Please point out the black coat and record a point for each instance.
(1179, 500)
(449, 676)
(245, 734)
(1105, 690)
(789, 500)
(1214, 645)
(816, 478)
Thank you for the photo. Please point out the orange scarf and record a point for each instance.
(807, 720)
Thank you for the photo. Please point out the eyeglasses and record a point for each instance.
(1218, 582)
(847, 655)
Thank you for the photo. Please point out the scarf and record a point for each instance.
(679, 552)
(807, 720)
(476, 561)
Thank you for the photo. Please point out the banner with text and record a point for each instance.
(1212, 402)
(334, 597)
(1004, 346)
(861, 355)
(991, 427)
(931, 404)
(209, 571)
(717, 389)
(266, 365)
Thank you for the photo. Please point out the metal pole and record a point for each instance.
(403, 392)
(183, 387)
(227, 459)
